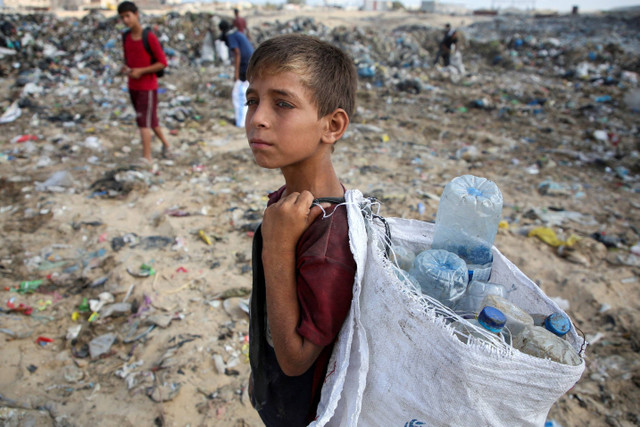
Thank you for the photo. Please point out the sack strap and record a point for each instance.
(332, 200)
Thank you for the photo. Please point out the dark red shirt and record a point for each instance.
(325, 270)
(137, 57)
(240, 24)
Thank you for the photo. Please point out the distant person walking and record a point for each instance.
(143, 57)
(448, 43)
(240, 24)
(240, 49)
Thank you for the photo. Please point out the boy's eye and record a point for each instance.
(284, 104)
(250, 102)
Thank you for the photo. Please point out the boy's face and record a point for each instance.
(282, 122)
(129, 19)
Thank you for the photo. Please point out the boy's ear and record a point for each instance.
(335, 126)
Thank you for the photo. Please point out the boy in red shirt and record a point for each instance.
(143, 82)
(300, 98)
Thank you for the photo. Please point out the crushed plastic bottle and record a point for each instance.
(471, 302)
(539, 342)
(442, 275)
(467, 222)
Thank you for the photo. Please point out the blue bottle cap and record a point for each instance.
(492, 319)
(557, 323)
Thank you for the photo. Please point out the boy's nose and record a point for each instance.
(258, 117)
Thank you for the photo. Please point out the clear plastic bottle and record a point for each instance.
(442, 275)
(539, 342)
(467, 222)
(517, 318)
(471, 302)
(490, 318)
(404, 256)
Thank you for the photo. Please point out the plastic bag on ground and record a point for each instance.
(456, 62)
(12, 113)
(222, 51)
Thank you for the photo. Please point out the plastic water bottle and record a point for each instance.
(467, 222)
(441, 274)
(539, 342)
(490, 319)
(517, 318)
(471, 302)
(404, 256)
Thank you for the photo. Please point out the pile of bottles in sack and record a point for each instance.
(457, 268)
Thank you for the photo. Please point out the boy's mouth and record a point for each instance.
(258, 143)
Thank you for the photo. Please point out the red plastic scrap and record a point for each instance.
(181, 270)
(20, 308)
(43, 340)
(25, 138)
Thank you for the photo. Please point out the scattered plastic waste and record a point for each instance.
(11, 114)
(145, 270)
(204, 237)
(29, 286)
(101, 345)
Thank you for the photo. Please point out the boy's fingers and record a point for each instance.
(305, 198)
(314, 213)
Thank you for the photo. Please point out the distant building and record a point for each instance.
(29, 4)
(429, 6)
(432, 6)
(376, 5)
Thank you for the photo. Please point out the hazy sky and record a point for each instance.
(559, 5)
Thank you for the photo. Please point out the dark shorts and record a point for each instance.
(145, 102)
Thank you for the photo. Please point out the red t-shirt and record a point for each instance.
(137, 57)
(240, 24)
(325, 270)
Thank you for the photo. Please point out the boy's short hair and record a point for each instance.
(127, 6)
(224, 26)
(324, 69)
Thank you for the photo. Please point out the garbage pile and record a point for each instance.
(124, 282)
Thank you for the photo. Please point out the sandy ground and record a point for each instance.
(401, 148)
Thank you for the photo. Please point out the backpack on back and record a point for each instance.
(147, 47)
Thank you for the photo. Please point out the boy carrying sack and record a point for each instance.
(300, 99)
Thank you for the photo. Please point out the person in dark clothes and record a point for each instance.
(447, 45)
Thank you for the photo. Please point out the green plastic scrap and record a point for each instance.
(84, 307)
(147, 269)
(28, 286)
